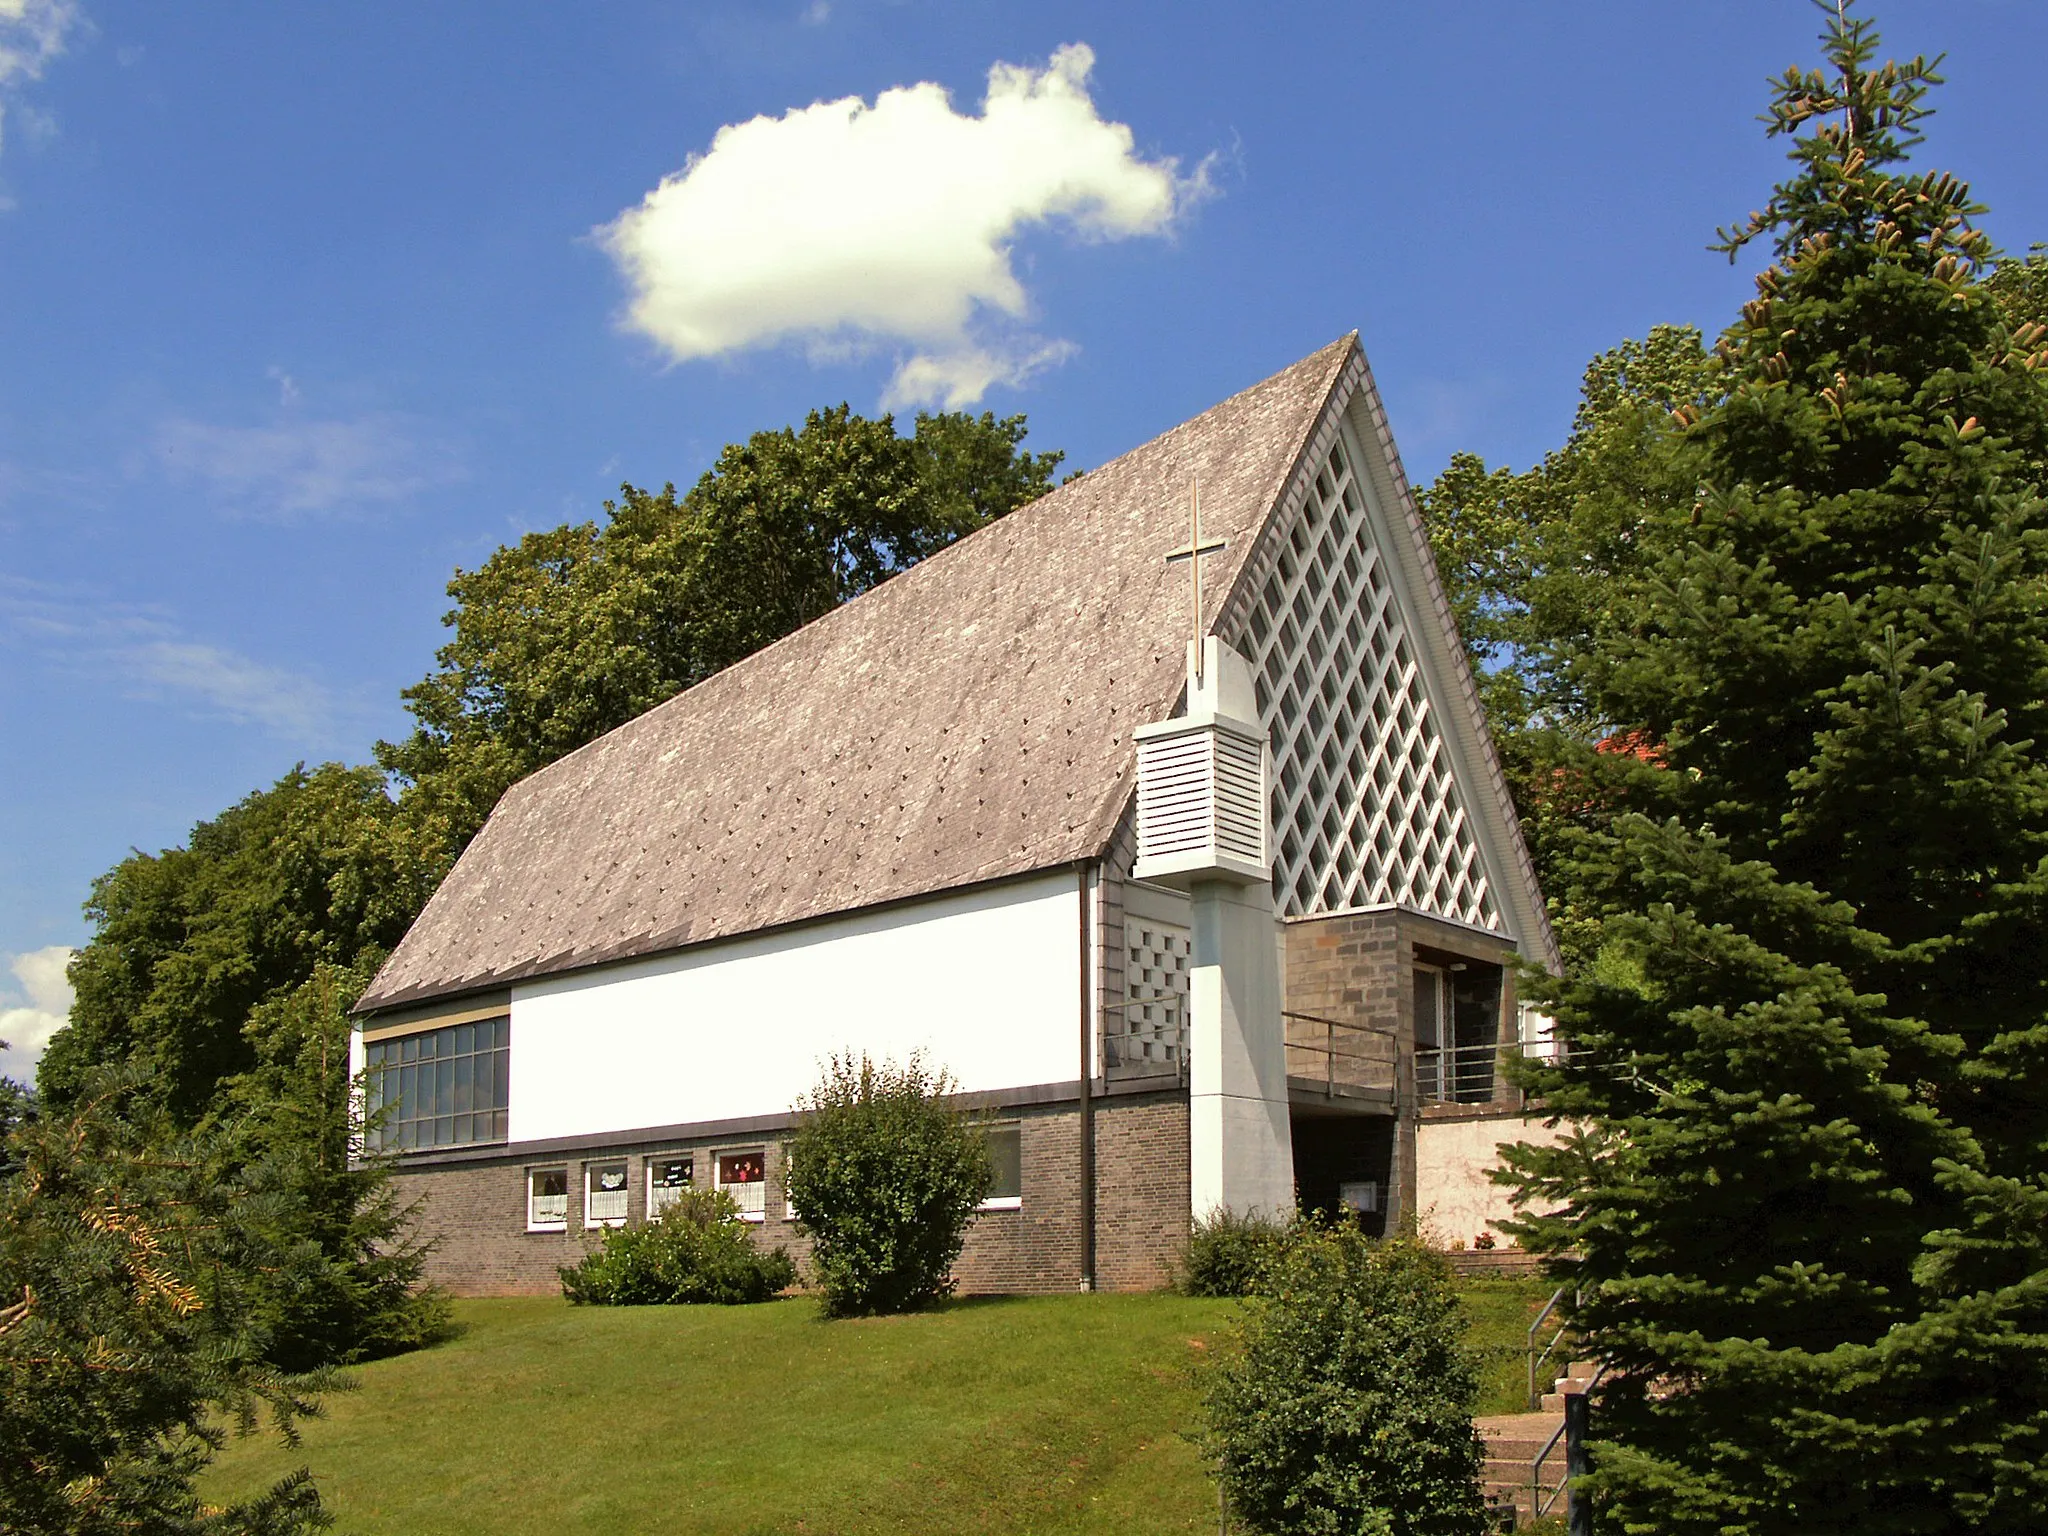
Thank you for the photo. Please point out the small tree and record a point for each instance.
(1347, 1406)
(884, 1174)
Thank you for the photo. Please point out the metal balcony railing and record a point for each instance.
(1460, 1074)
(1339, 1057)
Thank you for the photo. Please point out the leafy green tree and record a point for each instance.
(578, 629)
(1534, 561)
(1808, 1211)
(1347, 1404)
(884, 1173)
(318, 869)
(128, 1344)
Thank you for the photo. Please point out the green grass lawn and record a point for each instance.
(1044, 1414)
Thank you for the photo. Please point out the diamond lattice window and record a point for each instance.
(1365, 808)
(1156, 960)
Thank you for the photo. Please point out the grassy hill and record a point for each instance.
(1046, 1414)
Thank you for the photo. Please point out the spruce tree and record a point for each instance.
(1807, 1209)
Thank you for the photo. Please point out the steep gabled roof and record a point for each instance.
(965, 721)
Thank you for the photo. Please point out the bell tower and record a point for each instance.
(1202, 798)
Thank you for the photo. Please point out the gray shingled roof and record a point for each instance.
(965, 721)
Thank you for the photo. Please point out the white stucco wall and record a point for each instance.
(986, 983)
(1454, 1199)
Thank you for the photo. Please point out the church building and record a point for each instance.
(1159, 812)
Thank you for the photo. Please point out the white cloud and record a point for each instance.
(844, 225)
(299, 467)
(31, 35)
(35, 1008)
(144, 655)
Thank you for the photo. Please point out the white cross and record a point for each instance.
(1193, 555)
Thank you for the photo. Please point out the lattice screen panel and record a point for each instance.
(1365, 810)
(1156, 964)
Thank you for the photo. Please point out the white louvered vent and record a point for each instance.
(1201, 799)
(1365, 807)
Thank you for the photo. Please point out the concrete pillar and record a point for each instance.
(1241, 1152)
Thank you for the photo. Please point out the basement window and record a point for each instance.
(1006, 1155)
(604, 1194)
(667, 1178)
(744, 1176)
(547, 1199)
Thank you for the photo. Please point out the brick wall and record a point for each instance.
(1141, 1180)
(476, 1211)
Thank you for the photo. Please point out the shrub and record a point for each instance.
(1225, 1254)
(884, 1175)
(1348, 1404)
(697, 1250)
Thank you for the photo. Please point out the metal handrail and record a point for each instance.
(1540, 1499)
(1459, 1074)
(1328, 1048)
(1536, 1360)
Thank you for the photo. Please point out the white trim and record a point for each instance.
(1002, 1203)
(1405, 909)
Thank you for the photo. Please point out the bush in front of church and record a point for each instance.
(1347, 1404)
(697, 1250)
(1226, 1254)
(884, 1174)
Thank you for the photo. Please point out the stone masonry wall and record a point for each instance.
(1356, 967)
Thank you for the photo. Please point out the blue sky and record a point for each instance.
(306, 306)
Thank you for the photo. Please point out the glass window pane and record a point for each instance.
(409, 1048)
(464, 1039)
(1005, 1154)
(604, 1192)
(547, 1201)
